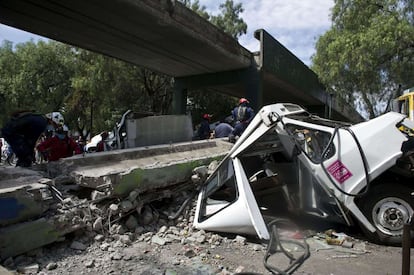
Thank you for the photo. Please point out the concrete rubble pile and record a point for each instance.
(124, 229)
(124, 194)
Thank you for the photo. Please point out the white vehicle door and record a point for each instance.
(227, 204)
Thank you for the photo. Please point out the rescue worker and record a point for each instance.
(60, 145)
(242, 116)
(222, 129)
(23, 130)
(204, 131)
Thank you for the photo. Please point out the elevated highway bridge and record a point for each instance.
(166, 37)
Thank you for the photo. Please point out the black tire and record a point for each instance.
(388, 208)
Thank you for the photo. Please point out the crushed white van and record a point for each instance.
(361, 173)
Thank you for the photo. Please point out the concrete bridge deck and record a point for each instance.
(165, 36)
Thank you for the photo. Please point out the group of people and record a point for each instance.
(48, 134)
(27, 132)
(241, 116)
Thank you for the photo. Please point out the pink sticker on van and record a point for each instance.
(339, 171)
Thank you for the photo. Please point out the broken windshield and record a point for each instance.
(313, 142)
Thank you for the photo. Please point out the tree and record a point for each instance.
(196, 7)
(210, 102)
(230, 21)
(368, 54)
(35, 76)
(158, 89)
(9, 66)
(104, 88)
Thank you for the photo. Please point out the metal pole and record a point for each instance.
(406, 247)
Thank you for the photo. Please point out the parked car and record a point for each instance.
(91, 146)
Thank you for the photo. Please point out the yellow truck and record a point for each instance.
(404, 104)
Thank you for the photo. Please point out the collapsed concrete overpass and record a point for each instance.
(165, 36)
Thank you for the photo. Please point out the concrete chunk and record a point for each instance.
(19, 238)
(142, 169)
(22, 197)
(4, 271)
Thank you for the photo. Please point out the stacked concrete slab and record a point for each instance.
(141, 168)
(33, 211)
(24, 199)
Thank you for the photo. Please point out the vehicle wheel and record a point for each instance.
(388, 208)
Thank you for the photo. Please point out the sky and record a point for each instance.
(296, 24)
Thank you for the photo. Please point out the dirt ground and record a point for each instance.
(200, 252)
(142, 258)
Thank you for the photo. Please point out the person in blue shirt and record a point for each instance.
(242, 116)
(222, 129)
(204, 131)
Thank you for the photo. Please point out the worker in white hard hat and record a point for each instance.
(24, 129)
(60, 145)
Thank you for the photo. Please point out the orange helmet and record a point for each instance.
(243, 100)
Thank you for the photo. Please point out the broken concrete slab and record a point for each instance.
(150, 173)
(63, 218)
(23, 237)
(4, 271)
(140, 169)
(20, 238)
(29, 217)
(20, 175)
(24, 195)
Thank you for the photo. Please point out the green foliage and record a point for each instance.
(229, 20)
(91, 90)
(208, 102)
(104, 88)
(367, 55)
(196, 7)
(34, 76)
(9, 66)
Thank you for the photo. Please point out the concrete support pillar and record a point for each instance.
(254, 87)
(179, 102)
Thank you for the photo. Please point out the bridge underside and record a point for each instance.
(161, 35)
(166, 37)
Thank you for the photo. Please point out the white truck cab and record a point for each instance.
(333, 170)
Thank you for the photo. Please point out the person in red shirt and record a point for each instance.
(60, 145)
